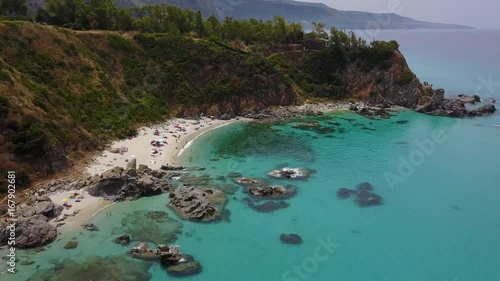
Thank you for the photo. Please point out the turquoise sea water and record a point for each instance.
(439, 220)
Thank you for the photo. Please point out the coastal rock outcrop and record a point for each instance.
(455, 107)
(44, 208)
(118, 183)
(198, 204)
(293, 239)
(30, 232)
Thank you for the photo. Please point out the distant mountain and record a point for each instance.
(296, 11)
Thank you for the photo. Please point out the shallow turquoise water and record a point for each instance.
(439, 221)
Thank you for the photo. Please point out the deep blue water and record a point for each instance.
(437, 176)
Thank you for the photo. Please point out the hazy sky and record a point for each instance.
(478, 13)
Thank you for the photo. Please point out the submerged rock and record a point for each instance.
(115, 268)
(152, 226)
(266, 207)
(345, 193)
(293, 239)
(71, 245)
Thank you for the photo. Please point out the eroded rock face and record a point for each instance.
(30, 232)
(44, 208)
(293, 239)
(198, 204)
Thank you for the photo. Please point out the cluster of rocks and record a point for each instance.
(364, 195)
(176, 263)
(198, 204)
(453, 107)
(132, 182)
(32, 226)
(291, 173)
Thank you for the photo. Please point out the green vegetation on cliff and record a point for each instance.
(64, 91)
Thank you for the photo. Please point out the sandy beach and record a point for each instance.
(171, 139)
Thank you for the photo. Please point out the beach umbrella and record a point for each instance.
(65, 200)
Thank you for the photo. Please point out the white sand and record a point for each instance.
(86, 208)
(139, 148)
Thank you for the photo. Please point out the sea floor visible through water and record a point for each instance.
(437, 221)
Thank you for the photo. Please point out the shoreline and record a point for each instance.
(139, 146)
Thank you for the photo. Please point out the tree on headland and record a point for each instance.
(13, 7)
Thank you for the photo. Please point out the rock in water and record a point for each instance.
(290, 173)
(188, 267)
(273, 192)
(367, 199)
(90, 227)
(293, 239)
(345, 193)
(123, 240)
(198, 204)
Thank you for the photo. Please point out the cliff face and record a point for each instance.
(396, 85)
